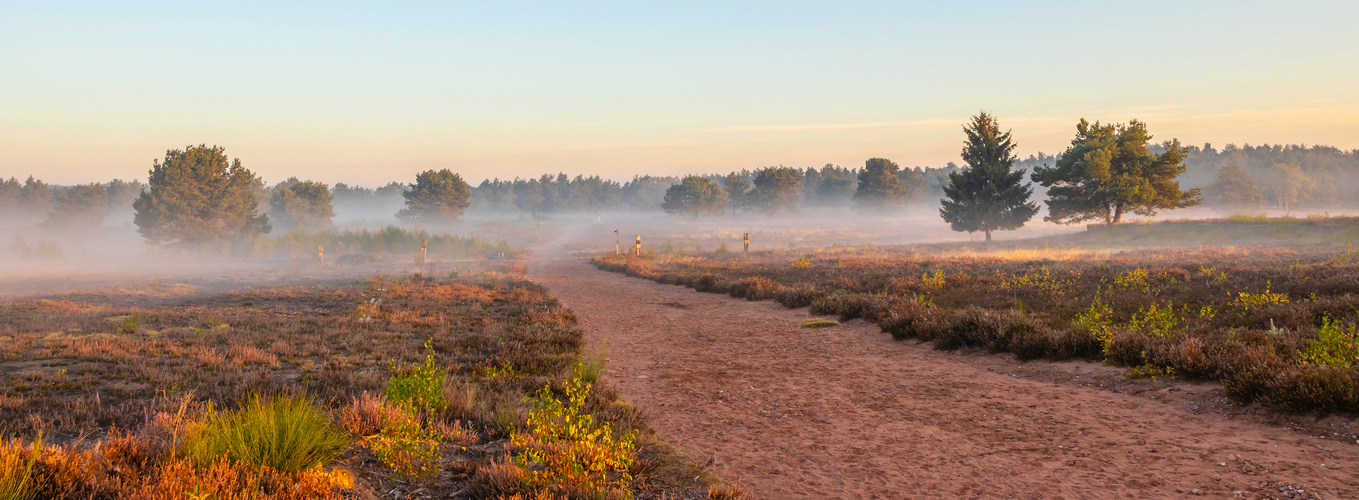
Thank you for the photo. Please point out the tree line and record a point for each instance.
(1110, 170)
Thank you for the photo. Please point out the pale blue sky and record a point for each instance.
(365, 93)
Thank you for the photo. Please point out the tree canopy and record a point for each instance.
(298, 204)
(695, 195)
(777, 188)
(1108, 171)
(988, 194)
(196, 197)
(78, 207)
(436, 197)
(880, 185)
(1236, 188)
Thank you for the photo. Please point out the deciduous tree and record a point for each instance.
(1237, 188)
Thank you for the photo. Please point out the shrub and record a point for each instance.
(1322, 388)
(1335, 345)
(564, 449)
(404, 446)
(419, 386)
(284, 433)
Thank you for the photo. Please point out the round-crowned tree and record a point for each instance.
(196, 197)
(695, 195)
(301, 205)
(437, 197)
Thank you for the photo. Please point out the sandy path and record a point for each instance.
(846, 412)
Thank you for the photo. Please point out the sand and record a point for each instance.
(846, 412)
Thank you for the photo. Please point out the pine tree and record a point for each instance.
(988, 194)
(1108, 171)
(436, 197)
(880, 185)
(196, 197)
(695, 195)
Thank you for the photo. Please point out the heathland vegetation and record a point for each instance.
(1272, 324)
(326, 390)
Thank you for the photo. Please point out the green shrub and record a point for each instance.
(285, 433)
(418, 386)
(1335, 345)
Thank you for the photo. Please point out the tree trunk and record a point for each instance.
(988, 235)
(1118, 213)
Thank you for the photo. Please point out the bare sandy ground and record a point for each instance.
(845, 412)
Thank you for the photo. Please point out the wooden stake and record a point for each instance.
(424, 244)
(746, 236)
(639, 245)
(617, 245)
(321, 254)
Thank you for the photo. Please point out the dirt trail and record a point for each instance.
(845, 412)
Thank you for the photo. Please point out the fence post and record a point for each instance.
(746, 237)
(617, 245)
(321, 254)
(639, 245)
(424, 244)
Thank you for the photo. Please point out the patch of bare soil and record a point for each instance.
(846, 412)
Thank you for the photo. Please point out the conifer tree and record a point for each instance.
(1109, 170)
(880, 185)
(196, 197)
(436, 197)
(987, 194)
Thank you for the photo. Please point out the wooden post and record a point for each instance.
(639, 245)
(321, 254)
(746, 236)
(617, 245)
(424, 244)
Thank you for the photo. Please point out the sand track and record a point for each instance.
(846, 412)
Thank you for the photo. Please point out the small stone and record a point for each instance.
(1195, 491)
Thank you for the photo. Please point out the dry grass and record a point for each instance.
(117, 399)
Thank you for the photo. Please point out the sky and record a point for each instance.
(368, 93)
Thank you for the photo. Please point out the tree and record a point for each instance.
(196, 197)
(78, 207)
(837, 185)
(301, 205)
(121, 194)
(436, 197)
(880, 185)
(1237, 188)
(777, 188)
(736, 188)
(1289, 185)
(988, 194)
(1108, 171)
(695, 195)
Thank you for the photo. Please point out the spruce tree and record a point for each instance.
(987, 194)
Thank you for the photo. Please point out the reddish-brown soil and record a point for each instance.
(846, 412)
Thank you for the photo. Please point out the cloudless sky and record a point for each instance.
(373, 92)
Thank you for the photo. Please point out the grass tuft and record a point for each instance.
(286, 433)
(819, 323)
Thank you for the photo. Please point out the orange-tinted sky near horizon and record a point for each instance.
(368, 94)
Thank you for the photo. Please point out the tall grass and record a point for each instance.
(16, 470)
(286, 433)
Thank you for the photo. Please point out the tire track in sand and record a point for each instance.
(846, 412)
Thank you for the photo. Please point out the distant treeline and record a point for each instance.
(1244, 177)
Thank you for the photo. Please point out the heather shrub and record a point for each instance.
(1321, 388)
(286, 433)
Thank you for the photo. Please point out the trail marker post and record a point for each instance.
(746, 237)
(639, 245)
(424, 245)
(321, 254)
(617, 245)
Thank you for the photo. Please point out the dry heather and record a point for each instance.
(1273, 324)
(135, 390)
